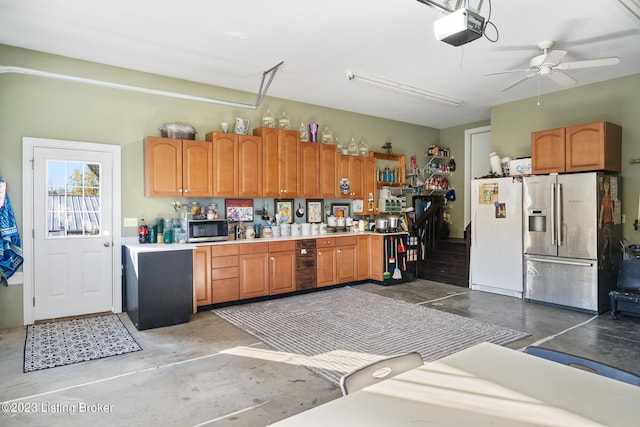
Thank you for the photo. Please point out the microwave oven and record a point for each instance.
(207, 230)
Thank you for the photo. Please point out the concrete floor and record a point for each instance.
(186, 375)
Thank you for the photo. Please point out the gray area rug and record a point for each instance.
(338, 330)
(48, 345)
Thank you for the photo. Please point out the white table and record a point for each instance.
(485, 385)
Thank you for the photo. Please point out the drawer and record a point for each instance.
(253, 248)
(326, 242)
(223, 250)
(224, 261)
(346, 241)
(306, 244)
(306, 263)
(287, 245)
(224, 273)
(224, 290)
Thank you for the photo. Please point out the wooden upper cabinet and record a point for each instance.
(175, 167)
(225, 163)
(309, 170)
(589, 147)
(328, 171)
(594, 146)
(352, 168)
(250, 166)
(197, 172)
(548, 151)
(369, 186)
(280, 161)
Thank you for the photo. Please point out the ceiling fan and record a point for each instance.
(549, 64)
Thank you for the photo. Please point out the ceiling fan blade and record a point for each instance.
(517, 82)
(507, 72)
(589, 63)
(561, 78)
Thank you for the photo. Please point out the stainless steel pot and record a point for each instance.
(394, 222)
(382, 224)
(178, 130)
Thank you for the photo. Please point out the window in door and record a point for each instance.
(73, 199)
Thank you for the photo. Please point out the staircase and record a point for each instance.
(440, 259)
(447, 262)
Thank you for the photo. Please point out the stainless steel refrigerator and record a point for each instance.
(572, 233)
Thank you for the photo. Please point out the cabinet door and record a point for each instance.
(249, 166)
(548, 151)
(326, 266)
(282, 272)
(201, 277)
(376, 259)
(344, 172)
(364, 249)
(225, 164)
(328, 171)
(347, 264)
(254, 274)
(594, 146)
(197, 171)
(369, 186)
(309, 170)
(289, 141)
(270, 167)
(162, 167)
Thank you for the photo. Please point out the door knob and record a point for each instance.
(107, 244)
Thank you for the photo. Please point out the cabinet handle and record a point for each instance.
(339, 251)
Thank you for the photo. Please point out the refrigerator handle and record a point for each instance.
(559, 215)
(553, 214)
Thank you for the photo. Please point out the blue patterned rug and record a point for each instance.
(48, 345)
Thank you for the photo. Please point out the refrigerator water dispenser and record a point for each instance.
(537, 220)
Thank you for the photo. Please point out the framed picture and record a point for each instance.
(340, 210)
(284, 208)
(315, 209)
(239, 210)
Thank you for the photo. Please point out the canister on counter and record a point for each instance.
(168, 235)
(153, 234)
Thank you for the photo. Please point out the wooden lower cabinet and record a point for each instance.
(225, 281)
(254, 270)
(282, 267)
(364, 253)
(327, 261)
(376, 257)
(347, 259)
(201, 276)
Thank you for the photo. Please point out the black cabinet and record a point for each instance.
(159, 287)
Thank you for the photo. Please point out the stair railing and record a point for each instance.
(428, 226)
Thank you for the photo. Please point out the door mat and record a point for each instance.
(336, 331)
(48, 345)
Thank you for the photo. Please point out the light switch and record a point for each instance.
(130, 222)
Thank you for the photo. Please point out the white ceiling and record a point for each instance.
(230, 43)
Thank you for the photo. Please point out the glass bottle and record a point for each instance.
(339, 144)
(304, 133)
(352, 148)
(268, 120)
(363, 148)
(327, 136)
(283, 122)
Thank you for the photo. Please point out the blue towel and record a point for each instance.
(10, 248)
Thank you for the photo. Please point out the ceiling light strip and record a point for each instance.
(404, 89)
(130, 88)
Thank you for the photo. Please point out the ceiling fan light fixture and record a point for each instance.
(404, 89)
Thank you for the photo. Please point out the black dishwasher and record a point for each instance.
(159, 287)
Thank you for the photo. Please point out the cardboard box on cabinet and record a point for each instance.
(520, 167)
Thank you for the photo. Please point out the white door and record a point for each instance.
(73, 227)
(477, 146)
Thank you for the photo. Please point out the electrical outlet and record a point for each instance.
(624, 218)
(130, 222)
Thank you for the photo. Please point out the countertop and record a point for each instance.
(136, 247)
